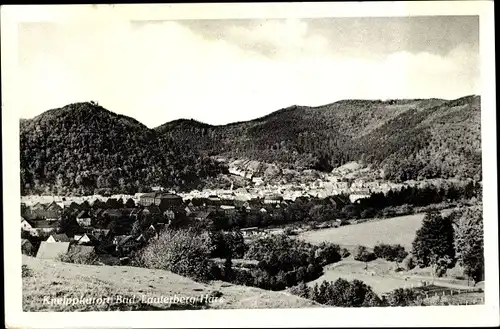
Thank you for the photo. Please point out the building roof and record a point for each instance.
(25, 242)
(274, 197)
(43, 224)
(100, 233)
(91, 237)
(160, 195)
(49, 250)
(53, 205)
(83, 214)
(203, 214)
(168, 196)
(126, 239)
(135, 211)
(60, 237)
(112, 213)
(148, 195)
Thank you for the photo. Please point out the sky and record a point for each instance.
(222, 71)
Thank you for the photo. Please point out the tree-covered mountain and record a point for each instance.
(409, 139)
(83, 148)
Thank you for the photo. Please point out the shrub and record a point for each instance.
(408, 263)
(391, 253)
(344, 252)
(404, 297)
(341, 293)
(26, 272)
(76, 257)
(216, 294)
(183, 252)
(362, 254)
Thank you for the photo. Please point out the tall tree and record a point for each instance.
(469, 242)
(434, 241)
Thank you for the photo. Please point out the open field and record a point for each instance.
(380, 275)
(143, 287)
(397, 230)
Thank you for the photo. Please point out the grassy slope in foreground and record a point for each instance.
(56, 279)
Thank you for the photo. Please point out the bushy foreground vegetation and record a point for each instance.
(281, 261)
(183, 252)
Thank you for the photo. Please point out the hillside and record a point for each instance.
(63, 280)
(409, 139)
(83, 148)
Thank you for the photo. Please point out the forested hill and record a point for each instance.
(83, 148)
(409, 139)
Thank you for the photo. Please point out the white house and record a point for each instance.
(25, 226)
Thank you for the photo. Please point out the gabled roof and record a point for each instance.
(112, 213)
(98, 212)
(83, 214)
(60, 237)
(49, 250)
(100, 232)
(203, 214)
(25, 242)
(125, 240)
(136, 211)
(38, 205)
(91, 237)
(53, 205)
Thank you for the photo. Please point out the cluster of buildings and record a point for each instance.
(108, 227)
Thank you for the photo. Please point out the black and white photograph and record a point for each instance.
(320, 161)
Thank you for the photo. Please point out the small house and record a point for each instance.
(87, 239)
(355, 197)
(203, 215)
(52, 250)
(189, 210)
(228, 209)
(25, 225)
(273, 199)
(43, 226)
(169, 214)
(249, 231)
(83, 219)
(101, 234)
